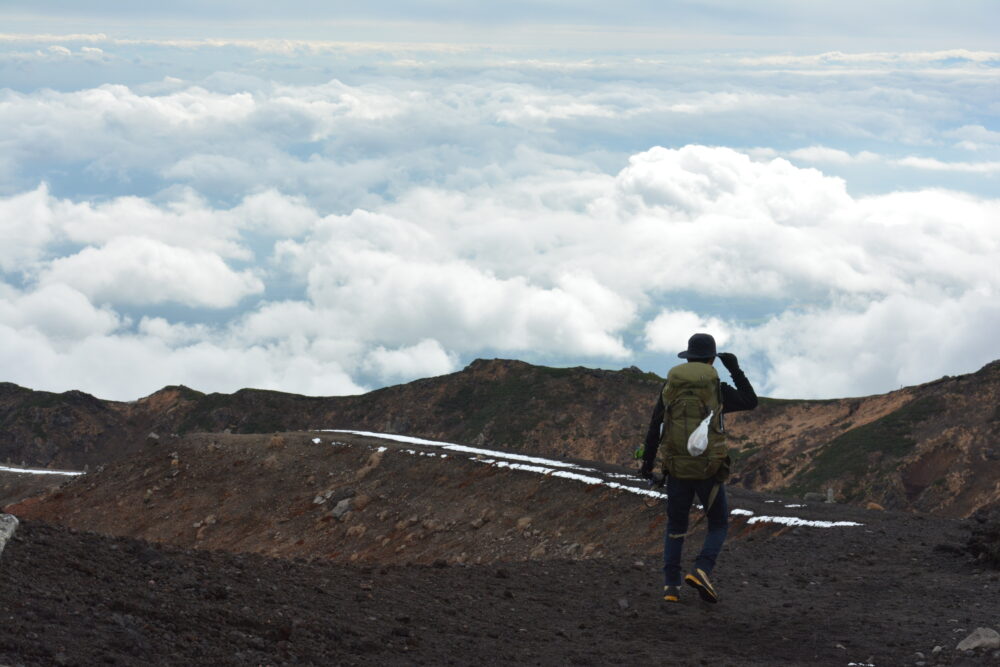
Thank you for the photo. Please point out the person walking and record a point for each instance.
(687, 424)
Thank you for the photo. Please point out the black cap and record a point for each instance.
(700, 346)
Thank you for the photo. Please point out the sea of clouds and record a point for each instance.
(327, 218)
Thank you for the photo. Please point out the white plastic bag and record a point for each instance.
(698, 440)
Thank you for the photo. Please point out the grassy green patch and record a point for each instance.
(849, 455)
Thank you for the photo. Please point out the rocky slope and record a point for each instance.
(933, 447)
(347, 498)
(392, 556)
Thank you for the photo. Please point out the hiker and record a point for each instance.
(693, 396)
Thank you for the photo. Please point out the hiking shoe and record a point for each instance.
(698, 580)
(671, 593)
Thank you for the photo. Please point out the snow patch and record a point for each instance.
(316, 441)
(40, 471)
(465, 449)
(795, 521)
(553, 468)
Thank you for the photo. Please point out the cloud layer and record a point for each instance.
(337, 234)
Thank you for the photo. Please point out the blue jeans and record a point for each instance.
(680, 496)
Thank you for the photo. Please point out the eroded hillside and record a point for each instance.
(932, 447)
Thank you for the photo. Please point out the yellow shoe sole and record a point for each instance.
(700, 583)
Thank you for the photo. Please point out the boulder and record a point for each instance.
(980, 638)
(341, 508)
(8, 524)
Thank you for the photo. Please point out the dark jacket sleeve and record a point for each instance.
(653, 434)
(743, 397)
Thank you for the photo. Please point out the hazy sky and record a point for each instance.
(326, 198)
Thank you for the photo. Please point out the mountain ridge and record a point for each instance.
(930, 447)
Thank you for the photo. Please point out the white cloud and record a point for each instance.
(424, 359)
(975, 137)
(939, 165)
(560, 263)
(26, 229)
(885, 57)
(896, 341)
(669, 331)
(473, 203)
(824, 154)
(124, 367)
(58, 312)
(132, 270)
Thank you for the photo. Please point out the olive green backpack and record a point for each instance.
(692, 392)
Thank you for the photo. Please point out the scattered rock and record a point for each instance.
(341, 508)
(980, 638)
(334, 494)
(874, 506)
(433, 525)
(8, 524)
(403, 524)
(524, 523)
(623, 603)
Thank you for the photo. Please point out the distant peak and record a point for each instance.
(495, 364)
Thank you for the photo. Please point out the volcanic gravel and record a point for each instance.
(872, 595)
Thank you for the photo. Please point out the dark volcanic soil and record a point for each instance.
(562, 572)
(874, 595)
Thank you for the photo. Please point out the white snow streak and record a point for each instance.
(795, 521)
(40, 471)
(552, 468)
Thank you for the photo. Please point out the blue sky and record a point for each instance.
(334, 197)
